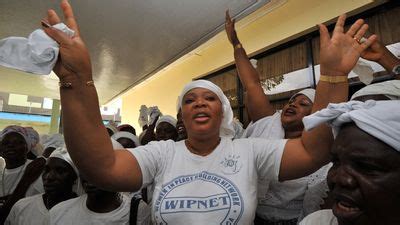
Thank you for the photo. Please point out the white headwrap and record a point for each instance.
(112, 127)
(19, 130)
(35, 138)
(54, 141)
(226, 129)
(63, 154)
(380, 119)
(309, 93)
(390, 89)
(124, 134)
(167, 118)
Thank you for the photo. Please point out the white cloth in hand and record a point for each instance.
(36, 54)
(154, 112)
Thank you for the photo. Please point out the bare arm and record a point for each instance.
(377, 52)
(339, 54)
(258, 103)
(85, 135)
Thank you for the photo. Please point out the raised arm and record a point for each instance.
(85, 135)
(377, 52)
(338, 55)
(258, 103)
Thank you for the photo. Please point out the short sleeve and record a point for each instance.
(269, 127)
(151, 159)
(268, 156)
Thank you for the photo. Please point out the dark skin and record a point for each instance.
(126, 142)
(180, 127)
(58, 179)
(293, 113)
(165, 131)
(364, 179)
(99, 200)
(257, 103)
(14, 150)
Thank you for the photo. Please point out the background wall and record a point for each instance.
(258, 32)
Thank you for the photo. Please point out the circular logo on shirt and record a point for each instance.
(198, 197)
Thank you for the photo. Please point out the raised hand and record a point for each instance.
(230, 29)
(340, 53)
(374, 52)
(74, 60)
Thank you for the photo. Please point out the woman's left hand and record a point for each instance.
(340, 53)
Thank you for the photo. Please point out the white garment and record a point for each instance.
(75, 211)
(390, 89)
(322, 217)
(220, 188)
(168, 119)
(269, 127)
(38, 54)
(378, 118)
(28, 211)
(10, 178)
(280, 200)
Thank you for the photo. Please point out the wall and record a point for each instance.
(257, 32)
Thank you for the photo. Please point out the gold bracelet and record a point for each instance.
(238, 46)
(333, 79)
(69, 84)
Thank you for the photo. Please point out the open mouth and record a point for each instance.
(201, 117)
(290, 112)
(346, 209)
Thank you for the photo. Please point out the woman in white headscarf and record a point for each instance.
(365, 177)
(207, 178)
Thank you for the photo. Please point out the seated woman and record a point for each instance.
(207, 178)
(365, 176)
(59, 176)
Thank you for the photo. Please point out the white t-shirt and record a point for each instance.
(321, 217)
(10, 177)
(28, 211)
(75, 211)
(220, 188)
(283, 200)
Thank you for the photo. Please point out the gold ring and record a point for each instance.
(358, 40)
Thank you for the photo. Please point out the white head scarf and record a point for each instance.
(63, 154)
(226, 129)
(54, 141)
(124, 134)
(112, 127)
(167, 118)
(390, 89)
(309, 93)
(378, 118)
(19, 130)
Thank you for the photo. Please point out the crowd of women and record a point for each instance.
(320, 160)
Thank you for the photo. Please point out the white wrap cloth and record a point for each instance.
(380, 119)
(36, 54)
(390, 89)
(19, 130)
(226, 128)
(63, 154)
(167, 119)
(125, 134)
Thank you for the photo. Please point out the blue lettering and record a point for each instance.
(204, 203)
(213, 202)
(224, 200)
(170, 204)
(190, 203)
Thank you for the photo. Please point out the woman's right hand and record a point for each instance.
(73, 60)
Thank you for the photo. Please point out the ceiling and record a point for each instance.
(128, 40)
